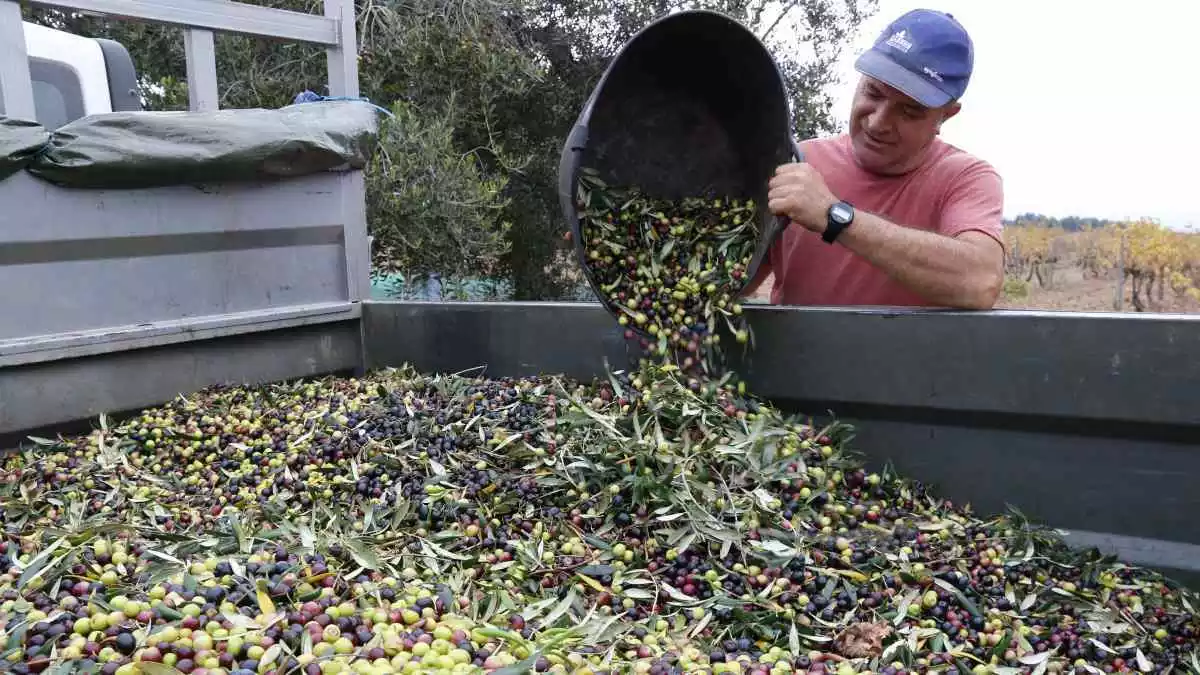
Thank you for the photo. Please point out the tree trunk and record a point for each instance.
(1119, 296)
(1047, 275)
(1135, 292)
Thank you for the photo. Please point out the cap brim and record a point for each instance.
(884, 69)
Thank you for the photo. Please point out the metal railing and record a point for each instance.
(200, 19)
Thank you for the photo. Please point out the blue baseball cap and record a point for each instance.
(925, 54)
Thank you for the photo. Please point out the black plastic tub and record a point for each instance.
(693, 105)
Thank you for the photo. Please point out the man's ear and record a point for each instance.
(950, 110)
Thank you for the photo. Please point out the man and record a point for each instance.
(889, 214)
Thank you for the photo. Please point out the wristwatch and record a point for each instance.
(839, 218)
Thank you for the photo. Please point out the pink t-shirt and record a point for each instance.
(950, 193)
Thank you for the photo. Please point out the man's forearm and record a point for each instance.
(948, 271)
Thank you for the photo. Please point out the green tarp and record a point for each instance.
(129, 150)
(20, 142)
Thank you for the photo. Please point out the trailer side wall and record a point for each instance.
(1088, 422)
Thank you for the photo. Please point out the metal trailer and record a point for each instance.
(94, 278)
(1089, 422)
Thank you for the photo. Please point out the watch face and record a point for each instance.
(841, 213)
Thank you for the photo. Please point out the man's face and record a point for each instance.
(891, 131)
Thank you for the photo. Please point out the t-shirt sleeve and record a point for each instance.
(975, 202)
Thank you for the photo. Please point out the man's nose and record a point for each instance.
(879, 121)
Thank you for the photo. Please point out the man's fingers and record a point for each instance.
(778, 195)
(792, 169)
(795, 174)
(782, 180)
(778, 206)
(788, 189)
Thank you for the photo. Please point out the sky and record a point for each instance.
(1085, 108)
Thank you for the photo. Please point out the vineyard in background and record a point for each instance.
(1145, 266)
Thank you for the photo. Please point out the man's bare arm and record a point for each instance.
(963, 272)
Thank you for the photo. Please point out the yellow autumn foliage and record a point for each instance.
(1142, 249)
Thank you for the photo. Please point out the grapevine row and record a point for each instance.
(1153, 259)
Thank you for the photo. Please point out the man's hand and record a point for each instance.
(799, 192)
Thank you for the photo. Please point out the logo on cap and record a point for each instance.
(901, 41)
